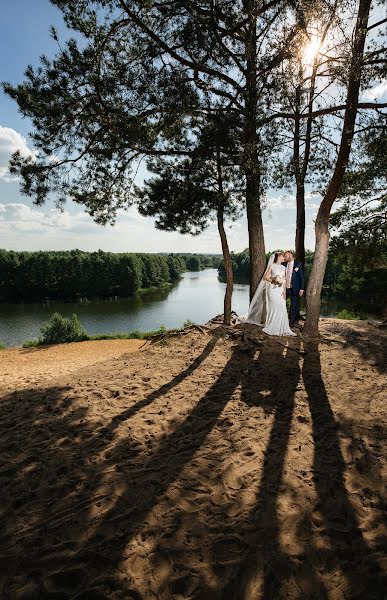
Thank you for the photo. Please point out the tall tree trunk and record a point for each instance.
(300, 222)
(313, 294)
(227, 260)
(299, 174)
(255, 228)
(250, 152)
(228, 268)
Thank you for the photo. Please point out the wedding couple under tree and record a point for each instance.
(223, 99)
(283, 278)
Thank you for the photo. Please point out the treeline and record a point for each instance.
(73, 274)
(197, 262)
(362, 285)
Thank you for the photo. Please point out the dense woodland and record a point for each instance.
(75, 274)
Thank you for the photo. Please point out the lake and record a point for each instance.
(198, 296)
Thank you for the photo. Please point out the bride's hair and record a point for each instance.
(277, 254)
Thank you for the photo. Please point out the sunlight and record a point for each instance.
(311, 49)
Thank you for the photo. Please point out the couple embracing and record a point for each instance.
(284, 277)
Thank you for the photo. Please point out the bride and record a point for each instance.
(268, 305)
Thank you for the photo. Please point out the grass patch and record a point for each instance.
(2, 346)
(131, 335)
(348, 315)
(32, 343)
(188, 323)
(155, 288)
(62, 330)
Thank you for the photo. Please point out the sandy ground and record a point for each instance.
(204, 467)
(21, 367)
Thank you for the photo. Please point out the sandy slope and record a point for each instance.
(202, 467)
(21, 367)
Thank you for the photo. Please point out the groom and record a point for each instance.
(295, 283)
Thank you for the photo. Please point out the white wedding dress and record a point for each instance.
(277, 320)
(268, 307)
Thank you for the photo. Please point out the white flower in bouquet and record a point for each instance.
(277, 280)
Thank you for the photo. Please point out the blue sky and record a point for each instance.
(24, 36)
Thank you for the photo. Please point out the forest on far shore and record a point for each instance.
(68, 275)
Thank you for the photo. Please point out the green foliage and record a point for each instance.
(359, 243)
(31, 343)
(76, 274)
(2, 346)
(241, 264)
(194, 263)
(188, 323)
(133, 103)
(348, 315)
(187, 194)
(132, 335)
(60, 329)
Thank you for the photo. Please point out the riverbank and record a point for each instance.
(217, 464)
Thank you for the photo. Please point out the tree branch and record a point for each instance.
(325, 111)
(195, 66)
(376, 24)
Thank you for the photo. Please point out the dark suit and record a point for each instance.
(297, 284)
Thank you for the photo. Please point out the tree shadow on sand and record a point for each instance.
(349, 549)
(331, 558)
(76, 498)
(54, 470)
(265, 569)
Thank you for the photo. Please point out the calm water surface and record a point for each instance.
(198, 296)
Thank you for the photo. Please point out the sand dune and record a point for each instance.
(199, 467)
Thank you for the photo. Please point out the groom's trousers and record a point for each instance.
(294, 305)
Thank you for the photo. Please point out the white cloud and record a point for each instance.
(27, 227)
(378, 92)
(284, 202)
(21, 217)
(312, 200)
(288, 201)
(10, 142)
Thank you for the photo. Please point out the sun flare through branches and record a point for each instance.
(311, 49)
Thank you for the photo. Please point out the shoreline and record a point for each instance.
(147, 335)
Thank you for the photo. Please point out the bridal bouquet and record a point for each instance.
(277, 280)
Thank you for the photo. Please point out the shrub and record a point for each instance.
(31, 344)
(348, 315)
(188, 323)
(60, 329)
(2, 347)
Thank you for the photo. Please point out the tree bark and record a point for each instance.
(227, 260)
(250, 152)
(300, 223)
(255, 228)
(228, 268)
(313, 294)
(299, 173)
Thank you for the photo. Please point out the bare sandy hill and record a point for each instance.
(220, 464)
